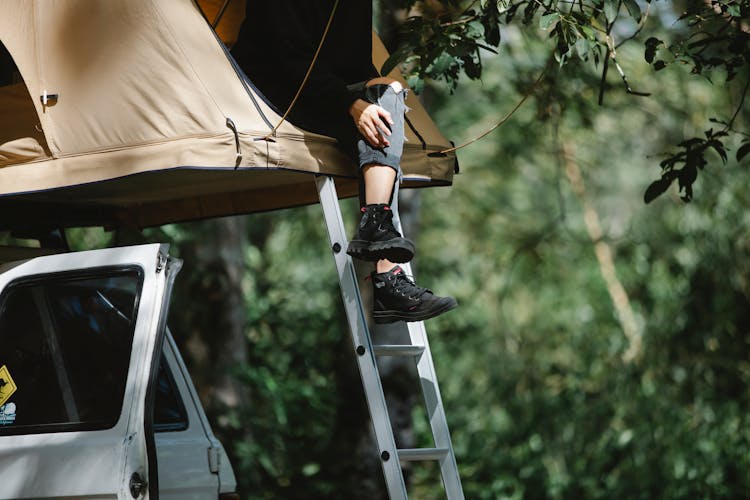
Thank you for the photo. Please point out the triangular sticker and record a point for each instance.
(7, 385)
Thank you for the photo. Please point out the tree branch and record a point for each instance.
(739, 108)
(605, 259)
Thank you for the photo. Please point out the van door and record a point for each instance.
(188, 453)
(79, 334)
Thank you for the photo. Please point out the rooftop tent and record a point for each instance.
(133, 113)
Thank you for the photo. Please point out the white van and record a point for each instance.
(95, 400)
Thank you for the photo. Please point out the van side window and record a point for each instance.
(65, 342)
(169, 411)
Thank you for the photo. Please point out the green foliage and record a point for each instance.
(717, 39)
(540, 401)
(86, 238)
(294, 326)
(692, 159)
(446, 50)
(711, 39)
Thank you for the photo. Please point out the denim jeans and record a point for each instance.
(392, 101)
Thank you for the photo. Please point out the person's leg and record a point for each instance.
(396, 296)
(377, 239)
(382, 166)
(379, 181)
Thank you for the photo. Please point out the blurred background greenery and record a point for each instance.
(601, 347)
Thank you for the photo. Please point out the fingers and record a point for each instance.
(373, 122)
(372, 126)
(371, 134)
(381, 126)
(385, 114)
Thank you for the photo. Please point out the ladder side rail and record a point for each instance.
(366, 360)
(436, 411)
(431, 391)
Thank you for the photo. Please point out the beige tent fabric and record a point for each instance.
(138, 132)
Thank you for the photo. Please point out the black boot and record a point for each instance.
(397, 298)
(377, 239)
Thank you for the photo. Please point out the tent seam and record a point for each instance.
(155, 142)
(46, 123)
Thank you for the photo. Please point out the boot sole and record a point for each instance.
(382, 317)
(397, 250)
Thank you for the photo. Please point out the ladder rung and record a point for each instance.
(419, 454)
(398, 350)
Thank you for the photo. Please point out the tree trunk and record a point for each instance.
(604, 258)
(211, 333)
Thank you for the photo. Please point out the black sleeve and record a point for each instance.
(297, 35)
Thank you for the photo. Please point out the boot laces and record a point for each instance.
(385, 219)
(405, 286)
(385, 224)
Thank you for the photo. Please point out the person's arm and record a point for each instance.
(297, 43)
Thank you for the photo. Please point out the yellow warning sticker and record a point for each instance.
(7, 386)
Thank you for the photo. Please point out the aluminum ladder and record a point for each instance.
(366, 354)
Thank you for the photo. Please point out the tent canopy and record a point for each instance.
(133, 113)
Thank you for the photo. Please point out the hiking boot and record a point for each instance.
(397, 298)
(377, 239)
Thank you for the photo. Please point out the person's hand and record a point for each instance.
(372, 122)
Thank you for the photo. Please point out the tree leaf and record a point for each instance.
(610, 9)
(492, 31)
(656, 189)
(633, 9)
(472, 68)
(547, 20)
(719, 148)
(688, 176)
(743, 151)
(689, 143)
(588, 32)
(652, 44)
(582, 48)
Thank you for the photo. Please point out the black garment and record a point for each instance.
(278, 40)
